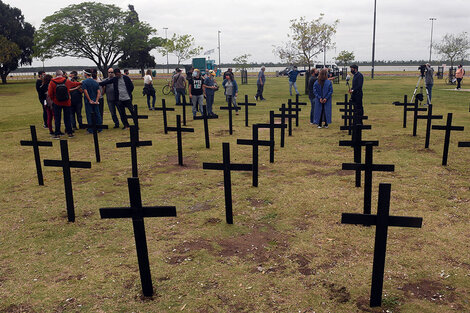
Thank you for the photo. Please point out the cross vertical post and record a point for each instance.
(37, 158)
(164, 109)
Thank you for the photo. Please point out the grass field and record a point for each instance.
(286, 252)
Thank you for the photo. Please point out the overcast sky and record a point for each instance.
(254, 26)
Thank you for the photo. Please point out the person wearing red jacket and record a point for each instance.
(60, 104)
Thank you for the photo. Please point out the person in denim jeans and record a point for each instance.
(196, 91)
(293, 79)
(429, 81)
(92, 92)
(231, 90)
(210, 87)
(178, 82)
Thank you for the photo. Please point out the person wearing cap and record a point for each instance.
(260, 84)
(91, 92)
(196, 91)
(179, 84)
(356, 90)
(209, 89)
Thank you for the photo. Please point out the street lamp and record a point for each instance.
(166, 38)
(432, 19)
(373, 40)
(218, 38)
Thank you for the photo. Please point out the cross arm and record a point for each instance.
(405, 221)
(383, 167)
(350, 117)
(39, 143)
(249, 142)
(123, 144)
(353, 166)
(212, 166)
(416, 109)
(186, 130)
(352, 127)
(434, 117)
(356, 218)
(80, 164)
(443, 127)
(464, 144)
(271, 125)
(290, 110)
(126, 212)
(343, 143)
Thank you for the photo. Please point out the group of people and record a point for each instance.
(66, 93)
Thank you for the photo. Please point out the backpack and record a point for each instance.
(61, 91)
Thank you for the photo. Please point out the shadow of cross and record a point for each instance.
(136, 117)
(94, 127)
(230, 108)
(206, 117)
(405, 104)
(178, 129)
(227, 167)
(415, 109)
(255, 143)
(133, 144)
(283, 115)
(448, 128)
(272, 125)
(35, 143)
(368, 167)
(246, 104)
(164, 109)
(296, 104)
(382, 220)
(66, 165)
(429, 117)
(137, 212)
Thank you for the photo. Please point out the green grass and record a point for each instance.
(286, 252)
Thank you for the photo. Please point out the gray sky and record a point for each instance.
(254, 26)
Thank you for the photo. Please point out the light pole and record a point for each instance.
(373, 40)
(166, 38)
(432, 19)
(218, 38)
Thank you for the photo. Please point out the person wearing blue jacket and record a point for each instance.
(231, 90)
(323, 90)
(293, 79)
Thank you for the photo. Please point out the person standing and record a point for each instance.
(209, 89)
(231, 90)
(356, 90)
(311, 95)
(179, 84)
(76, 99)
(196, 92)
(94, 75)
(293, 73)
(111, 99)
(323, 90)
(92, 93)
(149, 90)
(59, 92)
(41, 96)
(459, 75)
(429, 81)
(47, 101)
(260, 84)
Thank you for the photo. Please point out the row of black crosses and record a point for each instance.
(448, 127)
(136, 211)
(353, 123)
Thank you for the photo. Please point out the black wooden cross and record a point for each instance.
(178, 129)
(164, 109)
(405, 105)
(382, 220)
(368, 167)
(272, 125)
(136, 118)
(415, 109)
(206, 117)
(296, 104)
(246, 104)
(352, 119)
(137, 212)
(283, 115)
(95, 129)
(184, 104)
(348, 109)
(464, 144)
(230, 108)
(429, 117)
(291, 113)
(227, 167)
(255, 143)
(36, 144)
(448, 128)
(66, 165)
(133, 144)
(356, 143)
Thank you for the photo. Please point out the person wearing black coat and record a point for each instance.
(356, 89)
(41, 96)
(311, 81)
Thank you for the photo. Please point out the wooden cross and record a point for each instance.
(137, 212)
(464, 144)
(164, 109)
(133, 144)
(368, 167)
(66, 165)
(272, 125)
(95, 129)
(230, 108)
(448, 128)
(296, 104)
(178, 129)
(415, 109)
(348, 109)
(227, 167)
(136, 118)
(405, 105)
(290, 112)
(184, 104)
(206, 117)
(429, 117)
(35, 143)
(255, 143)
(351, 113)
(382, 220)
(246, 104)
(356, 143)
(283, 115)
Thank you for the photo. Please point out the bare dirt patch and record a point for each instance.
(303, 261)
(171, 164)
(18, 308)
(434, 291)
(201, 206)
(212, 221)
(185, 251)
(62, 278)
(258, 203)
(338, 293)
(222, 132)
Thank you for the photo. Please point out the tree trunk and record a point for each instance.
(142, 69)
(4, 78)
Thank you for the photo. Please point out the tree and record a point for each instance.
(453, 47)
(241, 61)
(17, 35)
(345, 57)
(307, 40)
(138, 43)
(182, 46)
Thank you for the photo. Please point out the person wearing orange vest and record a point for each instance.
(459, 75)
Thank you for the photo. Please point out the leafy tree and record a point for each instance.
(182, 46)
(345, 57)
(241, 61)
(16, 47)
(454, 47)
(307, 40)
